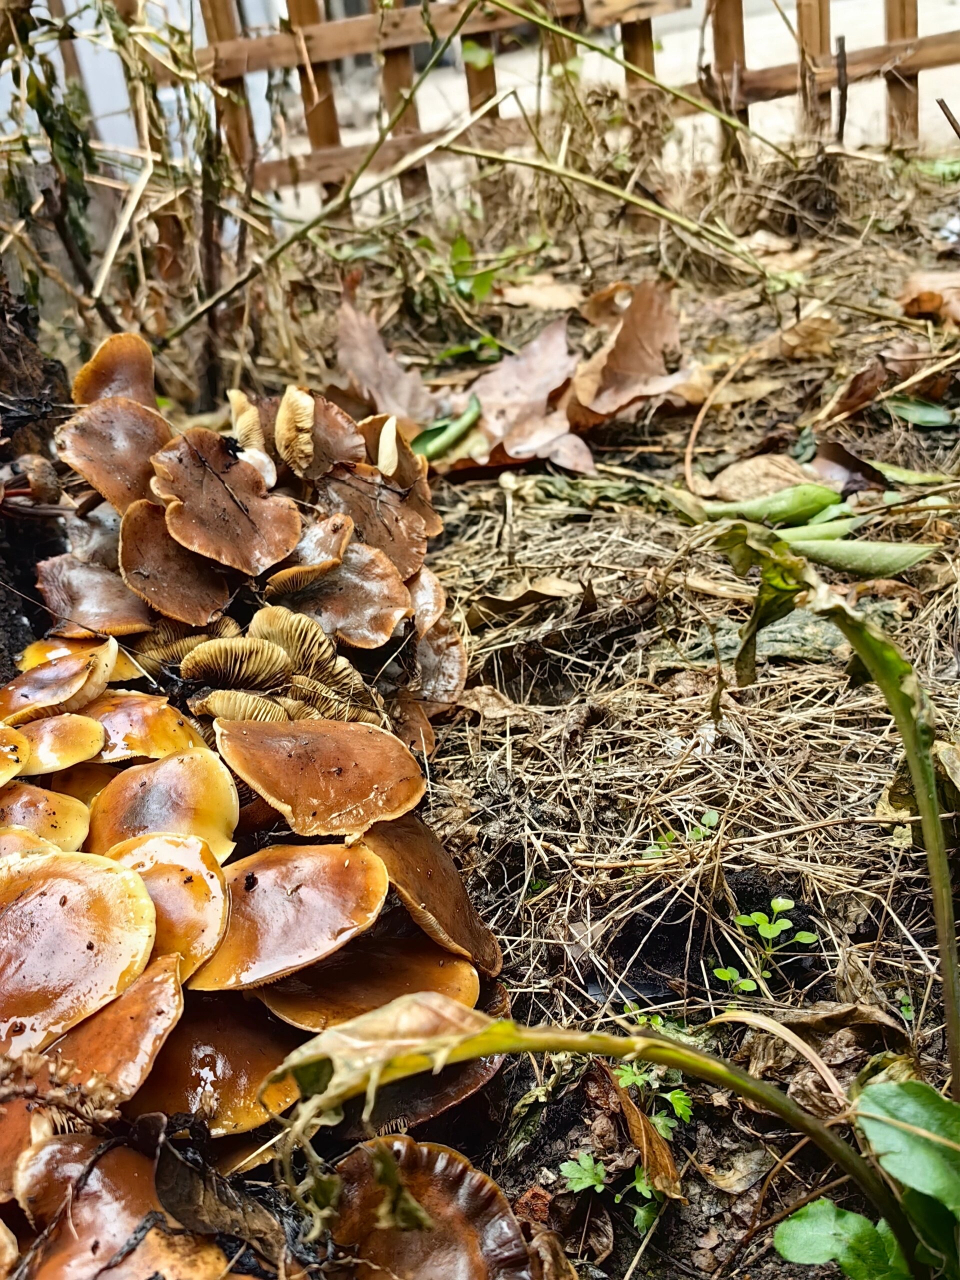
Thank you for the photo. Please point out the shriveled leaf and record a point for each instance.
(523, 594)
(862, 389)
(919, 413)
(795, 505)
(517, 390)
(838, 467)
(820, 1232)
(932, 293)
(757, 477)
(655, 1154)
(540, 292)
(376, 373)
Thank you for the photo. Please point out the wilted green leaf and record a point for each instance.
(919, 413)
(792, 506)
(820, 1232)
(903, 475)
(866, 559)
(825, 531)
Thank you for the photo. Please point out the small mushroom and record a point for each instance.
(219, 506)
(14, 753)
(409, 470)
(190, 793)
(215, 1061)
(290, 906)
(62, 684)
(325, 777)
(411, 725)
(23, 840)
(59, 742)
(41, 477)
(320, 549)
(171, 579)
(238, 704)
(94, 538)
(89, 598)
(61, 819)
(110, 443)
(122, 365)
(312, 434)
(140, 724)
(428, 599)
(83, 781)
(380, 516)
(429, 886)
(241, 663)
(312, 653)
(473, 1231)
(248, 433)
(361, 600)
(40, 651)
(367, 973)
(90, 925)
(187, 888)
(443, 666)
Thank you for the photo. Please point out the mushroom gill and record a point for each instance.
(241, 663)
(312, 434)
(320, 549)
(167, 576)
(409, 469)
(122, 365)
(110, 443)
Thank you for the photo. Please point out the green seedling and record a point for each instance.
(771, 927)
(645, 1213)
(584, 1173)
(737, 984)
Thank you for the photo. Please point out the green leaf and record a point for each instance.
(476, 55)
(781, 904)
(825, 530)
(915, 1134)
(795, 505)
(645, 1215)
(639, 1184)
(664, 1124)
(726, 975)
(747, 921)
(632, 1073)
(681, 1102)
(482, 283)
(775, 929)
(759, 917)
(710, 818)
(919, 413)
(461, 255)
(820, 1232)
(747, 984)
(805, 936)
(584, 1173)
(866, 559)
(903, 475)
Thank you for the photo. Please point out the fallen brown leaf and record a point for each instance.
(862, 389)
(542, 293)
(758, 477)
(932, 293)
(605, 308)
(808, 338)
(524, 593)
(376, 374)
(519, 387)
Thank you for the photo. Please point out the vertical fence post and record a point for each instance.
(221, 23)
(729, 57)
(396, 80)
(903, 114)
(637, 40)
(482, 81)
(316, 87)
(813, 32)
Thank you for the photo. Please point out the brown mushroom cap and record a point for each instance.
(214, 1062)
(75, 930)
(290, 906)
(312, 433)
(61, 819)
(409, 471)
(82, 781)
(428, 599)
(324, 776)
(411, 725)
(122, 365)
(189, 793)
(40, 651)
(114, 1224)
(140, 724)
(220, 507)
(14, 753)
(241, 663)
(443, 665)
(361, 600)
(58, 742)
(474, 1232)
(170, 578)
(320, 549)
(23, 840)
(110, 444)
(187, 888)
(90, 598)
(429, 885)
(367, 973)
(380, 515)
(62, 684)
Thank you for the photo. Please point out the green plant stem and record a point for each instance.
(437, 445)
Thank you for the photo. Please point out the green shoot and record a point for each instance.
(584, 1174)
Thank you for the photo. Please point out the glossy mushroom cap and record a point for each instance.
(14, 753)
(110, 444)
(170, 578)
(189, 793)
(82, 781)
(320, 549)
(428, 599)
(388, 449)
(61, 819)
(89, 598)
(40, 651)
(75, 931)
(361, 600)
(122, 365)
(58, 742)
(23, 840)
(140, 724)
(291, 905)
(325, 777)
(62, 684)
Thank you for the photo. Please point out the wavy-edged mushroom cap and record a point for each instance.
(40, 651)
(214, 1062)
(189, 793)
(90, 598)
(443, 665)
(312, 433)
(367, 973)
(83, 781)
(75, 930)
(219, 506)
(428, 599)
(61, 819)
(14, 753)
(290, 906)
(122, 365)
(57, 742)
(361, 600)
(320, 549)
(186, 885)
(473, 1234)
(62, 684)
(114, 1224)
(167, 576)
(240, 663)
(386, 444)
(23, 840)
(110, 444)
(326, 777)
(429, 885)
(140, 724)
(380, 515)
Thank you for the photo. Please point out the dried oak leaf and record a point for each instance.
(110, 444)
(89, 598)
(219, 506)
(312, 434)
(381, 516)
(173, 580)
(375, 373)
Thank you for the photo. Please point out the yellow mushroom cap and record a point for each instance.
(291, 905)
(140, 724)
(60, 647)
(75, 930)
(187, 887)
(63, 820)
(59, 742)
(62, 684)
(23, 840)
(190, 793)
(14, 753)
(90, 598)
(82, 781)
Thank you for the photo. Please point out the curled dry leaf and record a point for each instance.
(862, 389)
(312, 434)
(932, 293)
(607, 306)
(61, 819)
(324, 776)
(375, 373)
(122, 365)
(88, 598)
(443, 665)
(518, 388)
(836, 466)
(219, 506)
(520, 596)
(57, 742)
(412, 725)
(171, 579)
(91, 929)
(61, 684)
(655, 1154)
(757, 477)
(320, 549)
(381, 516)
(808, 338)
(290, 906)
(140, 724)
(110, 444)
(361, 600)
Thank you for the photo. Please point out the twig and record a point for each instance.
(130, 208)
(842, 87)
(54, 206)
(952, 120)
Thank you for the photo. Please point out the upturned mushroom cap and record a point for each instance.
(361, 600)
(40, 651)
(326, 778)
(14, 753)
(238, 704)
(367, 973)
(320, 549)
(23, 840)
(409, 469)
(58, 742)
(110, 444)
(61, 819)
(473, 1233)
(140, 724)
(290, 906)
(312, 653)
(443, 665)
(429, 886)
(220, 507)
(190, 793)
(241, 663)
(428, 599)
(82, 781)
(89, 598)
(122, 365)
(312, 433)
(186, 885)
(176, 582)
(115, 1225)
(75, 930)
(215, 1061)
(62, 684)
(328, 704)
(380, 515)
